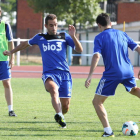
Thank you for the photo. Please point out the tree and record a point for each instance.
(72, 11)
(8, 9)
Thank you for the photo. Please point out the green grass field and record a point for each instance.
(35, 119)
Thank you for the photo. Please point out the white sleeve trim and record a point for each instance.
(135, 47)
(29, 43)
(96, 53)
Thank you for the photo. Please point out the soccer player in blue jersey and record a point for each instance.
(113, 45)
(6, 42)
(56, 76)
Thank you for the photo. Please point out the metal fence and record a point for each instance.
(70, 55)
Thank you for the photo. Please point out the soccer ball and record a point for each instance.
(130, 128)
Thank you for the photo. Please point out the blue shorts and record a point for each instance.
(107, 87)
(5, 72)
(62, 79)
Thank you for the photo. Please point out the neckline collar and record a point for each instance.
(107, 29)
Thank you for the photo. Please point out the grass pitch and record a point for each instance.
(35, 119)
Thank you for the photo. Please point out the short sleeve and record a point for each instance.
(33, 40)
(131, 43)
(97, 46)
(69, 40)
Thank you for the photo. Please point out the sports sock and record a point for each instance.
(60, 113)
(10, 107)
(108, 130)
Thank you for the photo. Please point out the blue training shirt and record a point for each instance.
(113, 45)
(53, 50)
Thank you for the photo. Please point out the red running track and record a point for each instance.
(76, 71)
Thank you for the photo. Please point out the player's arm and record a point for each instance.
(94, 62)
(11, 47)
(78, 46)
(21, 46)
(138, 50)
(9, 36)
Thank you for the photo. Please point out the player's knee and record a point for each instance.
(94, 102)
(52, 90)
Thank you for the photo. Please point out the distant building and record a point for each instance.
(28, 22)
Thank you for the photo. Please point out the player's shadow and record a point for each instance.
(53, 128)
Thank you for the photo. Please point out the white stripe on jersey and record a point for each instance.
(96, 53)
(29, 43)
(62, 40)
(101, 86)
(135, 47)
(9, 32)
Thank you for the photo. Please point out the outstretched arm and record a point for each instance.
(21, 46)
(78, 46)
(138, 50)
(94, 62)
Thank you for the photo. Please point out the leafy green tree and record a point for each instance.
(72, 11)
(8, 9)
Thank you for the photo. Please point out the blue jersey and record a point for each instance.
(113, 45)
(53, 50)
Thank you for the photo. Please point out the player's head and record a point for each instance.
(51, 24)
(103, 20)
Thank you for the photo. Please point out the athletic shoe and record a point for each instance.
(60, 121)
(12, 113)
(108, 135)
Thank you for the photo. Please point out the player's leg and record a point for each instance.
(8, 91)
(102, 114)
(65, 92)
(65, 103)
(65, 95)
(51, 82)
(100, 110)
(135, 91)
(52, 88)
(104, 89)
(130, 85)
(5, 77)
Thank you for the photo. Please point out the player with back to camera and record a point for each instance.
(56, 76)
(113, 45)
(6, 42)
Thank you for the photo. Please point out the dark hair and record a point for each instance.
(50, 17)
(103, 19)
